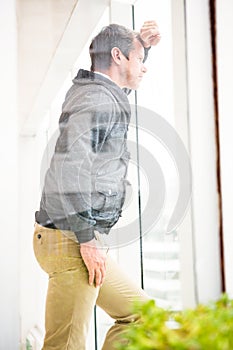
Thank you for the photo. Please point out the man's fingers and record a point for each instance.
(94, 260)
(150, 31)
(91, 277)
(149, 23)
(149, 26)
(97, 276)
(150, 34)
(103, 274)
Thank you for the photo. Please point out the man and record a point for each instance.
(84, 192)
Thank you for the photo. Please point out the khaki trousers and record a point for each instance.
(71, 300)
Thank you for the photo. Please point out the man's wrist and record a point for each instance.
(91, 242)
(85, 236)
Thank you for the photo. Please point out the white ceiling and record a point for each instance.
(130, 2)
(41, 25)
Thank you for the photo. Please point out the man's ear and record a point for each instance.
(116, 55)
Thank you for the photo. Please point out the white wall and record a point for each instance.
(9, 268)
(33, 281)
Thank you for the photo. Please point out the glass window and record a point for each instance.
(160, 261)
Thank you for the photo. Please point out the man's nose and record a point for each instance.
(144, 69)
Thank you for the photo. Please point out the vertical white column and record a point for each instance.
(9, 272)
(225, 88)
(185, 231)
(205, 216)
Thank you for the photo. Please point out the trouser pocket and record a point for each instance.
(54, 251)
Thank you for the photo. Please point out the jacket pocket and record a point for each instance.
(105, 197)
(108, 214)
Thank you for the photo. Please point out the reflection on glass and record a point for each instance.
(162, 269)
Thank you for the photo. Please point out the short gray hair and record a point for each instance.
(113, 35)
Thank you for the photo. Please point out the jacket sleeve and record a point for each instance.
(83, 132)
(146, 52)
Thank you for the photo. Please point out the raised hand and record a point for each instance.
(150, 34)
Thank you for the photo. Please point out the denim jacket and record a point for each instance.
(84, 188)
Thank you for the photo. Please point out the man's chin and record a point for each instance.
(134, 87)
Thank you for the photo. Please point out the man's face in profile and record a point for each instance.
(134, 68)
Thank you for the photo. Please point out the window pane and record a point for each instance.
(155, 98)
